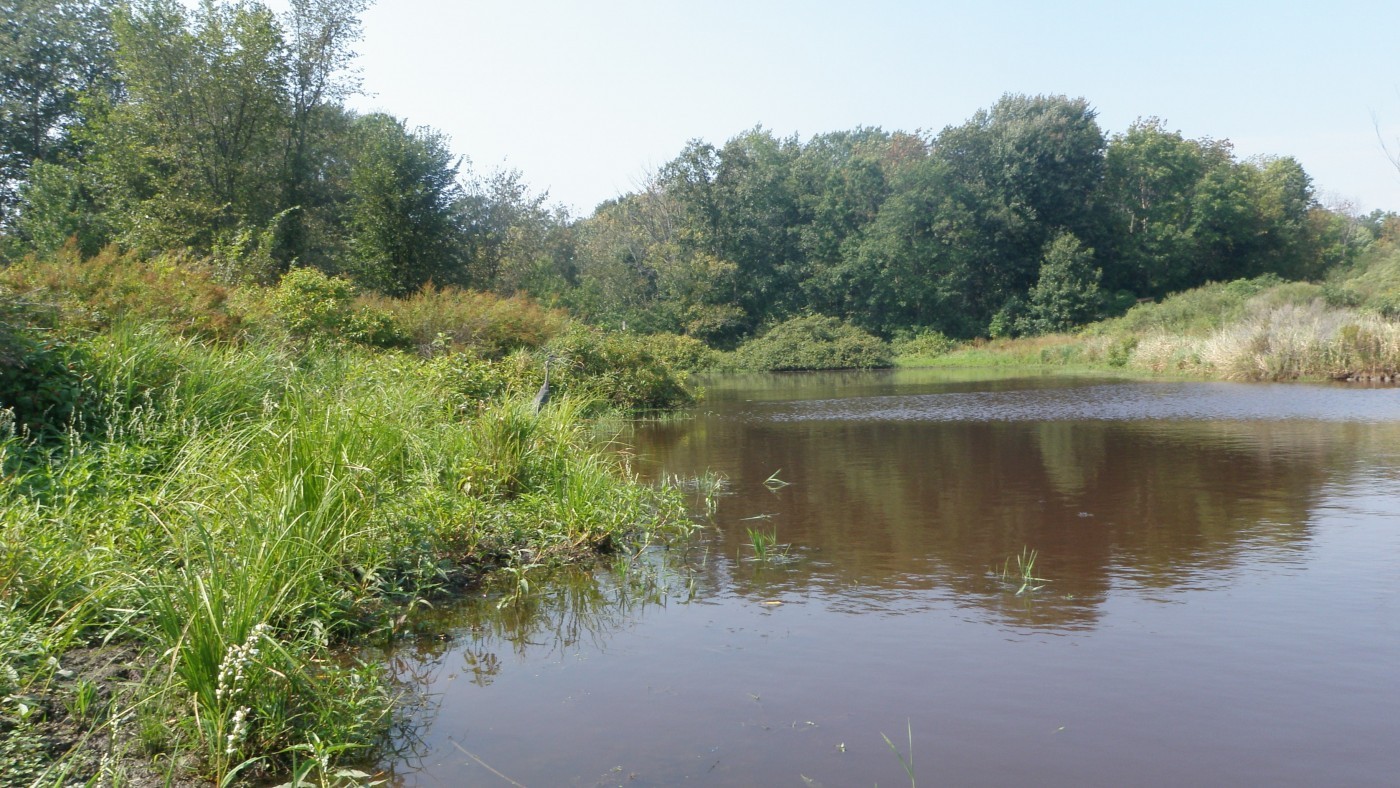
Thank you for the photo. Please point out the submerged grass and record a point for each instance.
(237, 513)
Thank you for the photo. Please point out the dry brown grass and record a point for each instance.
(1282, 342)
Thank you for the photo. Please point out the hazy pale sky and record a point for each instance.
(585, 98)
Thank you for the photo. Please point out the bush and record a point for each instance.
(485, 324)
(617, 369)
(477, 379)
(310, 304)
(679, 352)
(603, 368)
(813, 342)
(114, 286)
(926, 343)
(40, 376)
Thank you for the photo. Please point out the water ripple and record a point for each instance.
(1109, 402)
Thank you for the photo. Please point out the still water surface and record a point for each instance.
(1222, 603)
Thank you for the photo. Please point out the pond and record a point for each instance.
(1216, 597)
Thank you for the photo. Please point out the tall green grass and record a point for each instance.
(239, 511)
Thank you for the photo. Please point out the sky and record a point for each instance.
(586, 98)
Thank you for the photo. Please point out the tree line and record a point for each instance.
(223, 130)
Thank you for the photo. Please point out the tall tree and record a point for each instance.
(51, 53)
(1149, 196)
(319, 36)
(756, 197)
(922, 261)
(405, 229)
(1067, 292)
(1034, 164)
(195, 151)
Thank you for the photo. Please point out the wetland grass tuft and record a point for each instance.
(765, 546)
(1022, 575)
(762, 542)
(709, 486)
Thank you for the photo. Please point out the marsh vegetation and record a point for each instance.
(266, 361)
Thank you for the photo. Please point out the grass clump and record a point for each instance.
(1022, 576)
(762, 542)
(812, 342)
(1194, 312)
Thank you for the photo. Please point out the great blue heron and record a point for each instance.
(542, 397)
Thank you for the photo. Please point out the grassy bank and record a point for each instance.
(197, 512)
(1261, 329)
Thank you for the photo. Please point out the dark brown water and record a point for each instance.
(1222, 604)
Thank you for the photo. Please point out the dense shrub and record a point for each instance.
(926, 343)
(313, 305)
(40, 375)
(680, 352)
(475, 380)
(813, 342)
(115, 286)
(486, 324)
(617, 369)
(608, 370)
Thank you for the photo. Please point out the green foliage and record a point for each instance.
(681, 353)
(403, 231)
(1120, 351)
(1067, 292)
(1004, 321)
(1184, 212)
(54, 208)
(40, 376)
(451, 319)
(813, 342)
(194, 149)
(515, 242)
(1192, 312)
(51, 53)
(311, 304)
(597, 369)
(924, 344)
(618, 370)
(241, 514)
